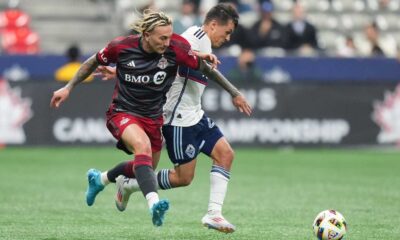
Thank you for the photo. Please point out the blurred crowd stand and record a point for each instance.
(267, 32)
(187, 17)
(301, 34)
(16, 35)
(271, 28)
(246, 69)
(69, 69)
(348, 48)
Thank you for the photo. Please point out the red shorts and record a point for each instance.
(117, 122)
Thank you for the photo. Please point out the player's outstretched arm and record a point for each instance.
(238, 100)
(84, 71)
(240, 103)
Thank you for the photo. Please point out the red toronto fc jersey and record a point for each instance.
(144, 78)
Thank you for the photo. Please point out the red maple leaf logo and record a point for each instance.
(15, 111)
(387, 115)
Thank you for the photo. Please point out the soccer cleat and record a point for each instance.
(217, 222)
(123, 194)
(158, 211)
(95, 186)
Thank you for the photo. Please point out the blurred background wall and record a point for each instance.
(317, 72)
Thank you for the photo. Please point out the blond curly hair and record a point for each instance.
(151, 19)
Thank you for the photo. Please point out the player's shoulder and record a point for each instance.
(178, 38)
(198, 39)
(195, 32)
(179, 42)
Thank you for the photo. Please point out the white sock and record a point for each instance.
(132, 185)
(218, 188)
(104, 178)
(152, 198)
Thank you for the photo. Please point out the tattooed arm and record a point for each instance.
(84, 71)
(238, 99)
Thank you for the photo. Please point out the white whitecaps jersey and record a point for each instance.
(183, 106)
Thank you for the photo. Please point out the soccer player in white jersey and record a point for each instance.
(188, 131)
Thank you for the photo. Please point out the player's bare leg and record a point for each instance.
(222, 155)
(136, 139)
(181, 176)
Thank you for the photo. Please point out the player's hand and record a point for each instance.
(59, 96)
(242, 105)
(105, 72)
(211, 58)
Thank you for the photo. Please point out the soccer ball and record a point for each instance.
(329, 225)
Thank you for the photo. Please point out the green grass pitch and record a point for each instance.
(273, 194)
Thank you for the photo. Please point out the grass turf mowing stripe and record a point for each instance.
(272, 194)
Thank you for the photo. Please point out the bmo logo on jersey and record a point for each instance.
(158, 78)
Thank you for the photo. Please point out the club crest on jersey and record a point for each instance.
(190, 150)
(211, 124)
(163, 63)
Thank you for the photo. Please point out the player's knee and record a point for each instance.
(142, 148)
(228, 155)
(185, 181)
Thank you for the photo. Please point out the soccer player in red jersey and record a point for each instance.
(187, 130)
(146, 64)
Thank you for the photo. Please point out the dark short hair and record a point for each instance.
(222, 13)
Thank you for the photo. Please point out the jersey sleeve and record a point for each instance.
(193, 41)
(205, 45)
(109, 54)
(199, 41)
(184, 54)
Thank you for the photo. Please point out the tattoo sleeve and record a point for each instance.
(220, 79)
(84, 71)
